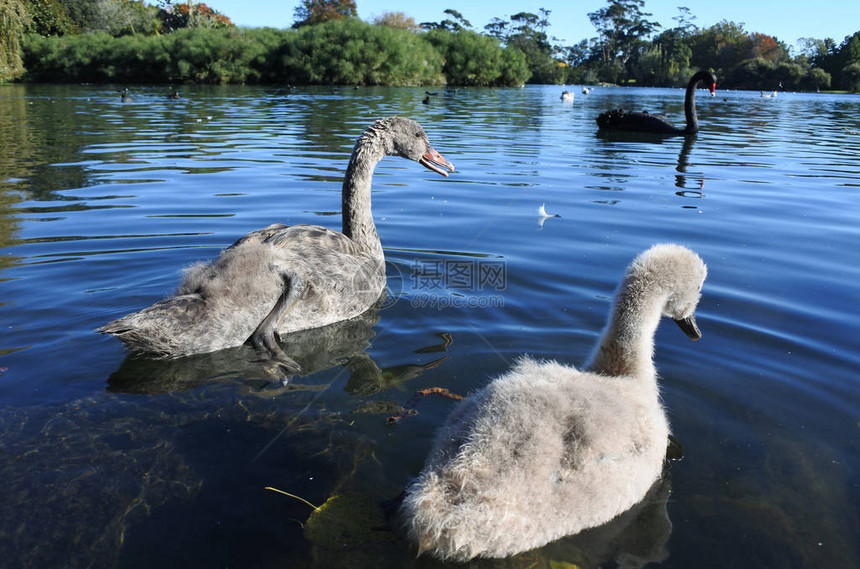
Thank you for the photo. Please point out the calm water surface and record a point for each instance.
(113, 460)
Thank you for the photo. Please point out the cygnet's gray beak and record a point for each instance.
(432, 160)
(688, 325)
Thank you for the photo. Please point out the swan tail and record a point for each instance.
(157, 329)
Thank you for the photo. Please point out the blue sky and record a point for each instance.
(787, 20)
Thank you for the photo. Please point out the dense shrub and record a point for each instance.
(199, 55)
(761, 74)
(352, 52)
(215, 55)
(851, 77)
(346, 52)
(816, 79)
(71, 58)
(753, 74)
(472, 59)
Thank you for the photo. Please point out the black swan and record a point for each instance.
(619, 119)
(547, 450)
(284, 278)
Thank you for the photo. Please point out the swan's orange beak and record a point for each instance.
(432, 160)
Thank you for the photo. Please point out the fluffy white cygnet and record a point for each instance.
(546, 450)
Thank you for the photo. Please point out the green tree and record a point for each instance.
(850, 77)
(497, 28)
(843, 58)
(526, 32)
(528, 28)
(622, 29)
(675, 52)
(82, 12)
(13, 25)
(790, 76)
(457, 24)
(821, 54)
(192, 15)
(755, 74)
(312, 12)
(767, 47)
(673, 57)
(685, 18)
(396, 20)
(662, 63)
(816, 79)
(849, 50)
(120, 18)
(473, 59)
(579, 54)
(721, 47)
(49, 18)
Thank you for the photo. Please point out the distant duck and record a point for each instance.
(546, 450)
(429, 94)
(126, 97)
(619, 119)
(586, 90)
(768, 95)
(173, 94)
(567, 96)
(282, 278)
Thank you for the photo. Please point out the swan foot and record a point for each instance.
(265, 339)
(268, 349)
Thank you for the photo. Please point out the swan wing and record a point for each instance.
(260, 235)
(313, 237)
(299, 237)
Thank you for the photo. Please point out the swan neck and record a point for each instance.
(690, 107)
(357, 215)
(626, 347)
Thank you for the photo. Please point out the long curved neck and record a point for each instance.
(626, 347)
(690, 107)
(357, 215)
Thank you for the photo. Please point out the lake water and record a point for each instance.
(113, 460)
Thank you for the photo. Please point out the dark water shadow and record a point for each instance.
(317, 350)
(178, 452)
(632, 540)
(633, 136)
(690, 184)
